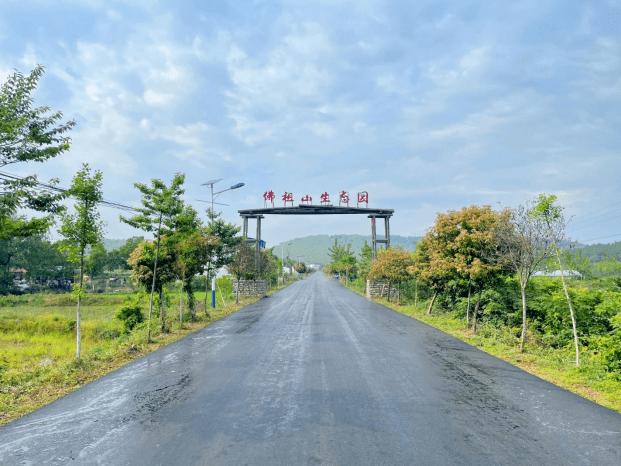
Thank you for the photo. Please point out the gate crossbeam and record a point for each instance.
(306, 209)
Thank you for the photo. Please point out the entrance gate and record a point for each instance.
(305, 209)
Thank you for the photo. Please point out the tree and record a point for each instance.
(343, 258)
(161, 206)
(96, 262)
(242, 264)
(431, 265)
(465, 241)
(27, 135)
(392, 265)
(84, 228)
(366, 258)
(142, 261)
(552, 215)
(191, 256)
(117, 258)
(522, 243)
(224, 252)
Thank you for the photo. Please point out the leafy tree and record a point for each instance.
(27, 135)
(366, 257)
(300, 267)
(142, 261)
(161, 205)
(522, 243)
(465, 242)
(191, 255)
(552, 216)
(392, 265)
(117, 258)
(96, 262)
(242, 265)
(224, 252)
(431, 265)
(342, 258)
(84, 228)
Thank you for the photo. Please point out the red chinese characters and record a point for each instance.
(344, 198)
(307, 199)
(325, 198)
(268, 196)
(287, 197)
(363, 197)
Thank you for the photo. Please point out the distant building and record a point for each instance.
(251, 241)
(557, 274)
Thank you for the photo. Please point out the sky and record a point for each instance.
(429, 106)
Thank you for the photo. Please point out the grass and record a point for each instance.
(38, 344)
(590, 380)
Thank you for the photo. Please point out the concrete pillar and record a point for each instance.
(245, 228)
(387, 226)
(373, 238)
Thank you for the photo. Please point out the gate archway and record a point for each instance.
(306, 209)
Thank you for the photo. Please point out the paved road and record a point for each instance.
(316, 375)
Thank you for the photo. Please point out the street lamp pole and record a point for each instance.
(212, 214)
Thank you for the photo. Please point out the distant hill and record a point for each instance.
(597, 252)
(315, 248)
(112, 244)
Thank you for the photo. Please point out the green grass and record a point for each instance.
(38, 343)
(590, 379)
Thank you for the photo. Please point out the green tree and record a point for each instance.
(161, 206)
(117, 258)
(142, 261)
(392, 266)
(365, 261)
(552, 215)
(27, 135)
(522, 243)
(224, 252)
(96, 262)
(84, 228)
(242, 264)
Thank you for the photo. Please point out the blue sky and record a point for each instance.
(427, 105)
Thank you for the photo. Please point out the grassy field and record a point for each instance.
(590, 380)
(38, 343)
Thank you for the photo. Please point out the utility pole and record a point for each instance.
(212, 214)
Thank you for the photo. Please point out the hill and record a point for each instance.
(597, 252)
(314, 249)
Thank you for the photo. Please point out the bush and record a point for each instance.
(131, 314)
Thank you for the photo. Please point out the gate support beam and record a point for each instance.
(374, 239)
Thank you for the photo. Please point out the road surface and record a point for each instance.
(316, 375)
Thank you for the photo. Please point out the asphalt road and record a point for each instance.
(316, 375)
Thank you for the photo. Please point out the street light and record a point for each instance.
(213, 280)
(282, 260)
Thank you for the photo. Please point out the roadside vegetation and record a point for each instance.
(480, 275)
(71, 311)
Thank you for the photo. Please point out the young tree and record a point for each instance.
(465, 239)
(161, 205)
(27, 135)
(392, 265)
(431, 265)
(96, 262)
(224, 251)
(142, 263)
(522, 243)
(242, 265)
(84, 228)
(366, 258)
(552, 215)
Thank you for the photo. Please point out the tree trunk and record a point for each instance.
(435, 295)
(415, 292)
(237, 292)
(157, 252)
(476, 311)
(571, 309)
(79, 316)
(162, 310)
(207, 286)
(181, 303)
(523, 339)
(468, 308)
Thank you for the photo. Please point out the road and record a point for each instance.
(316, 375)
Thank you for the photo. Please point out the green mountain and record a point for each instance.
(112, 244)
(314, 249)
(597, 252)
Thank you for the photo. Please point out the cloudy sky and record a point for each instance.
(427, 105)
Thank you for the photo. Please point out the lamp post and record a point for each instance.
(282, 261)
(212, 214)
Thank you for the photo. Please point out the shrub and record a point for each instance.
(130, 313)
